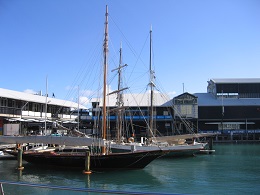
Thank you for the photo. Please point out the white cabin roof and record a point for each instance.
(17, 95)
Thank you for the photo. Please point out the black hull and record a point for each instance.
(136, 160)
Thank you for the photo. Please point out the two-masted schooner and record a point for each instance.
(98, 161)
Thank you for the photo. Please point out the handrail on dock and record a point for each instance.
(66, 188)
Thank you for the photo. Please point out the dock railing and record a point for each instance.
(71, 189)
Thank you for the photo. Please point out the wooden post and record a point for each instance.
(20, 159)
(87, 164)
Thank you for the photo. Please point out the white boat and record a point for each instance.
(6, 156)
(173, 149)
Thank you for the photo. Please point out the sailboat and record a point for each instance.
(98, 161)
(174, 145)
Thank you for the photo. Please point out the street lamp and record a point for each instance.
(22, 116)
(45, 121)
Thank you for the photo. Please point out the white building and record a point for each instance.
(20, 111)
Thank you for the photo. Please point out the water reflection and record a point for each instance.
(123, 180)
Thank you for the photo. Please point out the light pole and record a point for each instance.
(45, 121)
(22, 116)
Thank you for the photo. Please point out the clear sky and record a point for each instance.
(193, 41)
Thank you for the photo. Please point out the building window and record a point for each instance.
(3, 102)
(36, 107)
(13, 103)
(165, 113)
(229, 126)
(25, 106)
(227, 95)
(185, 110)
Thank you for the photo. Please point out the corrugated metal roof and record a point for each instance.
(207, 99)
(135, 100)
(204, 99)
(235, 80)
(37, 98)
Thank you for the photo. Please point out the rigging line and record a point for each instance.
(128, 43)
(111, 79)
(139, 126)
(139, 159)
(185, 122)
(94, 75)
(115, 56)
(93, 94)
(139, 58)
(160, 86)
(164, 96)
(132, 84)
(92, 84)
(91, 73)
(70, 93)
(131, 48)
(138, 78)
(79, 75)
(147, 122)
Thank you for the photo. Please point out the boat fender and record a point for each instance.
(131, 139)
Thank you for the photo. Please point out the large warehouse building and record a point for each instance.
(230, 108)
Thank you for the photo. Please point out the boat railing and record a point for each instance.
(71, 189)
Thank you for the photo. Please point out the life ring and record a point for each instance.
(131, 139)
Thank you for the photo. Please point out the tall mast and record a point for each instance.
(119, 85)
(120, 101)
(78, 109)
(105, 52)
(151, 88)
(119, 98)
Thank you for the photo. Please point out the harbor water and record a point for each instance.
(232, 169)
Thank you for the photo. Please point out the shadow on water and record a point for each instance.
(122, 180)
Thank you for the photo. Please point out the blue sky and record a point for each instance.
(193, 41)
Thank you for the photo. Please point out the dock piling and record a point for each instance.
(20, 159)
(87, 164)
